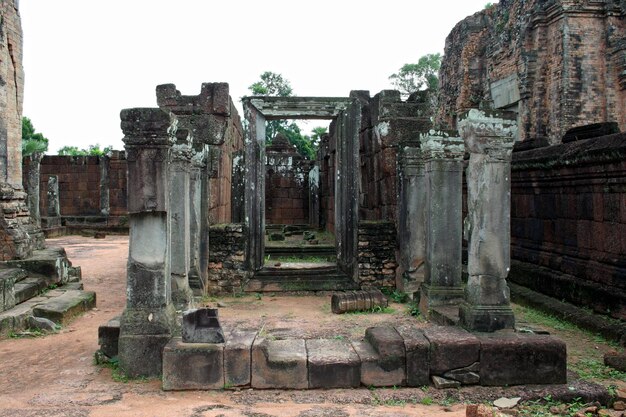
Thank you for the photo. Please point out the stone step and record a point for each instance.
(66, 306)
(8, 278)
(290, 284)
(29, 288)
(51, 262)
(292, 277)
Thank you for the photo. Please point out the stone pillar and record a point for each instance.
(179, 213)
(489, 137)
(411, 224)
(196, 229)
(105, 205)
(443, 169)
(32, 186)
(149, 319)
(314, 197)
(52, 195)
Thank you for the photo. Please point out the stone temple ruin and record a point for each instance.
(521, 158)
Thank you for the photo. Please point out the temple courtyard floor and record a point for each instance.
(56, 375)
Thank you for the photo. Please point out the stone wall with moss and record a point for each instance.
(377, 254)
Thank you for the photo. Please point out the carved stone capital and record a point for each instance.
(411, 161)
(489, 133)
(440, 145)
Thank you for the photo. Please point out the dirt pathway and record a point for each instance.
(55, 376)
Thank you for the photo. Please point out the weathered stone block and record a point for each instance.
(333, 364)
(279, 364)
(515, 359)
(63, 308)
(108, 337)
(142, 355)
(189, 366)
(417, 349)
(147, 286)
(451, 348)
(202, 326)
(389, 345)
(237, 358)
(372, 373)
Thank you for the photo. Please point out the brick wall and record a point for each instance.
(376, 257)
(227, 273)
(118, 188)
(561, 63)
(11, 93)
(286, 184)
(568, 222)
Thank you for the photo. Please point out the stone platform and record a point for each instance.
(444, 355)
(44, 285)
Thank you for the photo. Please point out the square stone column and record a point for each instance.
(180, 216)
(411, 218)
(32, 186)
(149, 319)
(489, 137)
(443, 179)
(196, 225)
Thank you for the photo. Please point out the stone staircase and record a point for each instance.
(44, 285)
(300, 277)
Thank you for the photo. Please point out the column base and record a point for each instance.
(143, 335)
(486, 318)
(433, 296)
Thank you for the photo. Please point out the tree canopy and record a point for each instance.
(422, 75)
(32, 141)
(92, 150)
(273, 84)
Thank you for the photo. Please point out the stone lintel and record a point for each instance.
(298, 107)
(492, 133)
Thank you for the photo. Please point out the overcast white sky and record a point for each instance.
(85, 60)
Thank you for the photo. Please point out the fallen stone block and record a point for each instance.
(42, 324)
(451, 348)
(372, 373)
(108, 337)
(444, 383)
(466, 376)
(279, 364)
(616, 361)
(66, 306)
(189, 366)
(516, 359)
(237, 359)
(417, 349)
(333, 364)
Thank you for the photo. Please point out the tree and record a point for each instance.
(92, 150)
(32, 141)
(271, 84)
(415, 77)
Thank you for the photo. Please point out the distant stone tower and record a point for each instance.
(18, 234)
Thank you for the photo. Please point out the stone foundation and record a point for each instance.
(386, 357)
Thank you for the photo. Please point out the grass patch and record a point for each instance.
(548, 407)
(593, 369)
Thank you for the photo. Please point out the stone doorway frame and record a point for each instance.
(346, 112)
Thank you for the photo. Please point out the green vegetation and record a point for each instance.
(549, 407)
(273, 84)
(593, 369)
(92, 150)
(422, 75)
(116, 373)
(374, 310)
(32, 141)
